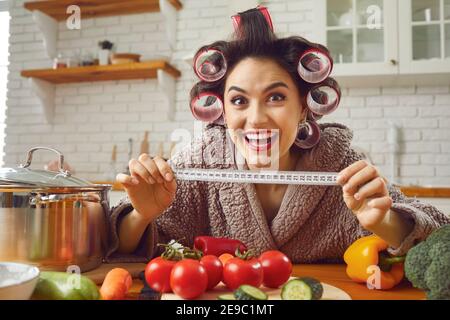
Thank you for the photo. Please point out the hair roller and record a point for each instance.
(314, 65)
(210, 65)
(207, 107)
(308, 135)
(263, 10)
(324, 98)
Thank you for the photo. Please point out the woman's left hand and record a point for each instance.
(365, 193)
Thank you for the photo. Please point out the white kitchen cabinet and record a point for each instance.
(424, 36)
(386, 41)
(361, 35)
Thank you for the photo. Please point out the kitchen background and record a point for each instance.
(394, 72)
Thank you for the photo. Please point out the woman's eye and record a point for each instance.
(238, 101)
(277, 97)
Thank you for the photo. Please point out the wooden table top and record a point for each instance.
(335, 275)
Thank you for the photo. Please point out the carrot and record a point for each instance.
(116, 284)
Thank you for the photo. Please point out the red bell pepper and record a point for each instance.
(217, 246)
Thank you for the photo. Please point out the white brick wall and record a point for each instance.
(422, 113)
(91, 117)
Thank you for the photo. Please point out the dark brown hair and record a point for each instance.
(254, 38)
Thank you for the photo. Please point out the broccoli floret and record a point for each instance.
(437, 275)
(416, 263)
(427, 265)
(440, 235)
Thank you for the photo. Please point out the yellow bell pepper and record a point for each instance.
(366, 256)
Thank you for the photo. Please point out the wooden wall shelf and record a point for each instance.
(43, 81)
(97, 8)
(138, 70)
(48, 13)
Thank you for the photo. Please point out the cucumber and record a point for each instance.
(247, 292)
(305, 288)
(228, 296)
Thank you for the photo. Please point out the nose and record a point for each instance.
(256, 115)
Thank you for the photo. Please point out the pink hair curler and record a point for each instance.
(314, 66)
(207, 107)
(324, 98)
(210, 65)
(237, 18)
(308, 135)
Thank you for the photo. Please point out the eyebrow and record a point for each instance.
(270, 87)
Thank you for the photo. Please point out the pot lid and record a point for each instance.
(44, 178)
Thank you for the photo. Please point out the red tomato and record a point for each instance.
(237, 272)
(277, 268)
(213, 268)
(157, 274)
(188, 279)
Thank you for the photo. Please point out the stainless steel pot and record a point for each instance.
(52, 219)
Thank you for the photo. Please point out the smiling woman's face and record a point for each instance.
(263, 110)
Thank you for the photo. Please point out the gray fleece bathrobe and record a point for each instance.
(313, 223)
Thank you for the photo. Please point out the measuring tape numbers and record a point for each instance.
(269, 177)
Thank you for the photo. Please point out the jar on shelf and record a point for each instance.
(59, 62)
(72, 61)
(87, 59)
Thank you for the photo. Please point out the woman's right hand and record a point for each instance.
(151, 185)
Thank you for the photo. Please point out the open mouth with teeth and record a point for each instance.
(260, 140)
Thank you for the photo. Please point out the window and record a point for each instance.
(4, 40)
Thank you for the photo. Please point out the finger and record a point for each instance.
(151, 167)
(164, 168)
(170, 183)
(383, 203)
(352, 203)
(138, 170)
(375, 187)
(348, 172)
(360, 178)
(126, 180)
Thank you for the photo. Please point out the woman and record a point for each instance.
(262, 100)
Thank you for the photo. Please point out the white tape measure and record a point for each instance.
(246, 176)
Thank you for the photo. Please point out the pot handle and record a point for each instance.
(61, 159)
